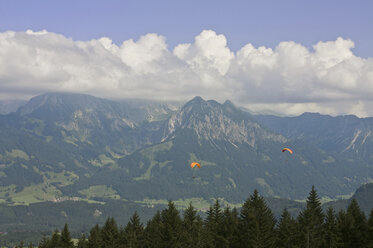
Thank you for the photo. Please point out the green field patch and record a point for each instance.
(34, 194)
(147, 174)
(268, 174)
(105, 159)
(38, 126)
(150, 154)
(163, 164)
(199, 204)
(95, 163)
(328, 160)
(100, 191)
(69, 139)
(347, 196)
(113, 154)
(77, 163)
(266, 158)
(193, 158)
(102, 161)
(232, 182)
(16, 153)
(61, 178)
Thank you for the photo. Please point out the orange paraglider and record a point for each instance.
(287, 149)
(194, 164)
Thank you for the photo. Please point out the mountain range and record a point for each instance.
(72, 146)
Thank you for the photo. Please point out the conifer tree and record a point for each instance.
(192, 227)
(286, 231)
(171, 226)
(110, 233)
(133, 232)
(311, 221)
(152, 233)
(231, 227)
(331, 237)
(30, 245)
(370, 230)
(355, 228)
(343, 225)
(95, 239)
(65, 240)
(20, 245)
(44, 242)
(256, 223)
(55, 240)
(213, 228)
(82, 242)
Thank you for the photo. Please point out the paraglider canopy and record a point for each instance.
(287, 149)
(194, 164)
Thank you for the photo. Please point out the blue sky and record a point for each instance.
(284, 56)
(258, 22)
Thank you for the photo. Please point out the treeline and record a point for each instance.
(253, 226)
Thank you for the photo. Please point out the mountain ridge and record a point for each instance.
(98, 149)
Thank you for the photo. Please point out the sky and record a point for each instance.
(287, 57)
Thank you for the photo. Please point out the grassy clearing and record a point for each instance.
(149, 153)
(199, 204)
(16, 153)
(35, 193)
(102, 161)
(328, 160)
(100, 191)
(61, 178)
(45, 191)
(113, 154)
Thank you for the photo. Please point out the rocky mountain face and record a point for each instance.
(69, 145)
(213, 121)
(88, 121)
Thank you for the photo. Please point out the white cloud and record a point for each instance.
(289, 78)
(209, 52)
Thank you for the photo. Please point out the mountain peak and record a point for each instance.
(228, 103)
(197, 99)
(211, 120)
(57, 100)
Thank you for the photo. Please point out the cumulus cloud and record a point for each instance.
(288, 78)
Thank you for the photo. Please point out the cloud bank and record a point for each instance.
(289, 79)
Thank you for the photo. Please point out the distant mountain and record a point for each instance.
(59, 146)
(344, 135)
(57, 139)
(104, 125)
(237, 155)
(64, 157)
(363, 195)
